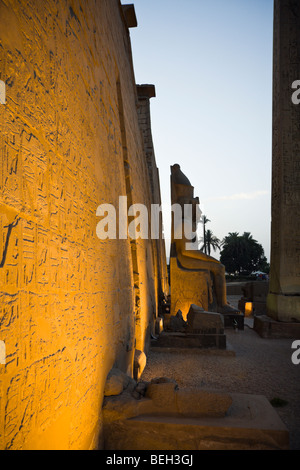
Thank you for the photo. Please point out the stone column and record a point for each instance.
(283, 303)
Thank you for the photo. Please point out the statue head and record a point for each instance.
(180, 185)
(182, 193)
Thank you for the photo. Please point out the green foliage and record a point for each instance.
(209, 240)
(205, 220)
(241, 253)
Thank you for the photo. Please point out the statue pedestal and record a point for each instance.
(201, 322)
(173, 419)
(203, 330)
(266, 327)
(189, 341)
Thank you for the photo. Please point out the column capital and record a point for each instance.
(146, 91)
(130, 16)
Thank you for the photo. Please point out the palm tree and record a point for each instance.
(204, 221)
(212, 241)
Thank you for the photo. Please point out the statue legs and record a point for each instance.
(204, 262)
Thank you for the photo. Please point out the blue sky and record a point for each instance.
(211, 64)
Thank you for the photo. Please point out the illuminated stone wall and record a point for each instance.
(71, 305)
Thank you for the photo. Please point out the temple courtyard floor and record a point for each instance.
(260, 366)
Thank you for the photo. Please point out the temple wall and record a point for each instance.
(71, 305)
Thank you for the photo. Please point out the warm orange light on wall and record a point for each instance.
(248, 309)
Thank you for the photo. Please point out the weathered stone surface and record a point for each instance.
(204, 322)
(250, 423)
(194, 403)
(163, 380)
(166, 396)
(283, 302)
(116, 382)
(267, 327)
(72, 138)
(190, 341)
(234, 288)
(255, 292)
(114, 386)
(177, 323)
(202, 330)
(121, 407)
(141, 388)
(163, 395)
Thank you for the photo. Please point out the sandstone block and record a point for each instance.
(163, 395)
(141, 388)
(162, 380)
(115, 383)
(204, 322)
(251, 423)
(177, 323)
(197, 403)
(119, 407)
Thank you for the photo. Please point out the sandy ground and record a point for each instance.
(260, 366)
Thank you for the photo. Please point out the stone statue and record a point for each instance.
(191, 268)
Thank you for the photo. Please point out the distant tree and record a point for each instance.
(231, 252)
(242, 253)
(211, 242)
(205, 220)
(264, 265)
(254, 252)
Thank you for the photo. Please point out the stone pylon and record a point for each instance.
(283, 303)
